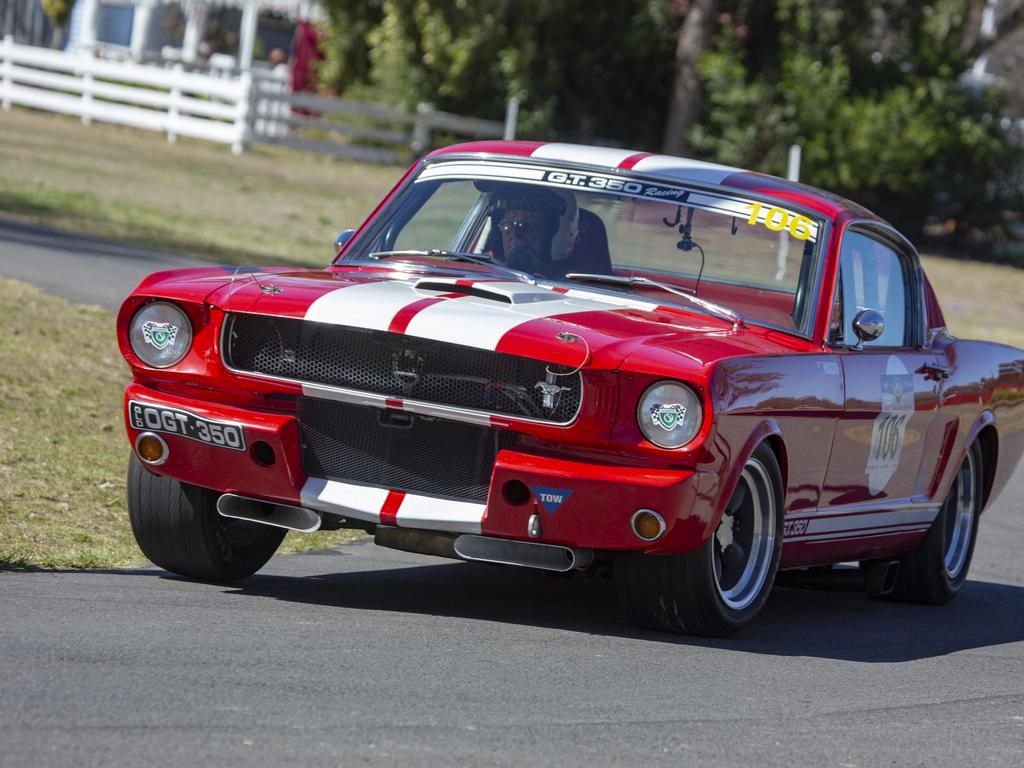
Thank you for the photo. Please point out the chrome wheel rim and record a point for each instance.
(744, 541)
(960, 519)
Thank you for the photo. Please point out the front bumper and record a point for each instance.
(577, 503)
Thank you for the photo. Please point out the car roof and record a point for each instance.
(667, 167)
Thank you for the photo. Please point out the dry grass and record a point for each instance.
(980, 301)
(63, 452)
(266, 206)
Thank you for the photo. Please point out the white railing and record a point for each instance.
(176, 102)
(236, 110)
(356, 129)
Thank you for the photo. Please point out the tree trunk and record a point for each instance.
(685, 103)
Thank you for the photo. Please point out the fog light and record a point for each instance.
(648, 524)
(151, 448)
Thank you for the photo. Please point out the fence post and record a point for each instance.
(511, 118)
(8, 68)
(421, 129)
(245, 102)
(86, 57)
(793, 174)
(172, 105)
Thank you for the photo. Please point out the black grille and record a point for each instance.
(419, 454)
(395, 365)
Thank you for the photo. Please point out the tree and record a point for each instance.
(686, 99)
(871, 89)
(59, 13)
(582, 70)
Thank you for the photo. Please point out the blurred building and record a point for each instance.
(231, 32)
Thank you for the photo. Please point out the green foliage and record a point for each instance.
(871, 90)
(58, 11)
(581, 72)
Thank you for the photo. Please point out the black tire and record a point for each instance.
(177, 527)
(697, 593)
(934, 571)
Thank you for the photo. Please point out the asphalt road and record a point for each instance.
(89, 270)
(361, 655)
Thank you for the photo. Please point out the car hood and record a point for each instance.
(571, 327)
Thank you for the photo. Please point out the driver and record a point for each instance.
(539, 228)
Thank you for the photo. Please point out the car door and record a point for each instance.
(892, 383)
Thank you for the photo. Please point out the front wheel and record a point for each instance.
(935, 570)
(719, 588)
(177, 527)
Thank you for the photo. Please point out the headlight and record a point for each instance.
(669, 414)
(160, 334)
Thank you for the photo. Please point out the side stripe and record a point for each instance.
(860, 521)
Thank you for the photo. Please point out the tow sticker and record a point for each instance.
(890, 429)
(550, 498)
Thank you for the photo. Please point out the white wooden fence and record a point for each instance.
(235, 111)
(176, 102)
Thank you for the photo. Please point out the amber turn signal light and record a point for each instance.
(648, 524)
(151, 448)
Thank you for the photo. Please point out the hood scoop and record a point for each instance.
(504, 291)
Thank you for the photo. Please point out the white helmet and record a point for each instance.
(568, 230)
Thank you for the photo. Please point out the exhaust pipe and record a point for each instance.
(546, 557)
(268, 513)
(880, 577)
(414, 540)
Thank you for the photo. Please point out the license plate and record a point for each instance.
(157, 418)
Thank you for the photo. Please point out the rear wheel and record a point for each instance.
(722, 586)
(936, 569)
(177, 527)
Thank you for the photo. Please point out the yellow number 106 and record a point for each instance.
(778, 219)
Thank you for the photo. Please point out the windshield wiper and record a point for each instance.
(475, 258)
(715, 309)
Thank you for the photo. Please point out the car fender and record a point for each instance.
(765, 429)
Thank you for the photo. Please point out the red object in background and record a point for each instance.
(305, 54)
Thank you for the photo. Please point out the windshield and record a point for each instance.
(748, 256)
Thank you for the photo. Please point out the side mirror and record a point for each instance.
(343, 238)
(869, 325)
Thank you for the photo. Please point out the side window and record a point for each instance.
(872, 276)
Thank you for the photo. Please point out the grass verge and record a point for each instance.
(63, 452)
(267, 206)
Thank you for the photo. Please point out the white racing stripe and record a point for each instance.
(482, 323)
(372, 305)
(475, 170)
(359, 501)
(605, 157)
(689, 170)
(440, 514)
(363, 502)
(472, 321)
